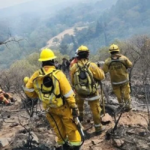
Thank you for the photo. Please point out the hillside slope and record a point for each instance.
(35, 26)
(125, 19)
(132, 124)
(60, 36)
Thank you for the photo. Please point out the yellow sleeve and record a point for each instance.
(66, 89)
(97, 72)
(29, 88)
(105, 67)
(72, 71)
(128, 63)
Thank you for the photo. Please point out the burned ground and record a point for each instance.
(19, 131)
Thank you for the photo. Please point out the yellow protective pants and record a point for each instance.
(122, 93)
(65, 128)
(95, 109)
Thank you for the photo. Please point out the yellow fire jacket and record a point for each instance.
(118, 71)
(98, 73)
(65, 88)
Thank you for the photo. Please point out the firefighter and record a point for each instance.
(65, 66)
(117, 65)
(85, 76)
(54, 90)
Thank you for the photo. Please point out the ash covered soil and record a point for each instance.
(17, 129)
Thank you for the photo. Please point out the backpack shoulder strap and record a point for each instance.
(42, 73)
(88, 64)
(53, 73)
(116, 60)
(79, 67)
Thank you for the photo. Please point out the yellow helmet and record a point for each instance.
(114, 48)
(47, 54)
(25, 80)
(83, 48)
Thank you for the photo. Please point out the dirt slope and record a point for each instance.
(61, 35)
(133, 123)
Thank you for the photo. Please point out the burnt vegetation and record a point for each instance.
(29, 116)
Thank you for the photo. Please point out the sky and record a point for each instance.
(7, 3)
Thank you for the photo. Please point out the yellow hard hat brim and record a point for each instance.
(46, 59)
(83, 51)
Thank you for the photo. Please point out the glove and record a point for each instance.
(75, 112)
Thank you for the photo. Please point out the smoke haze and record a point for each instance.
(8, 3)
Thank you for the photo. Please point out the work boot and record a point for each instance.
(76, 148)
(66, 147)
(59, 148)
(99, 130)
(121, 106)
(128, 106)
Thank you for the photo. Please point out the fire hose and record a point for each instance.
(76, 121)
